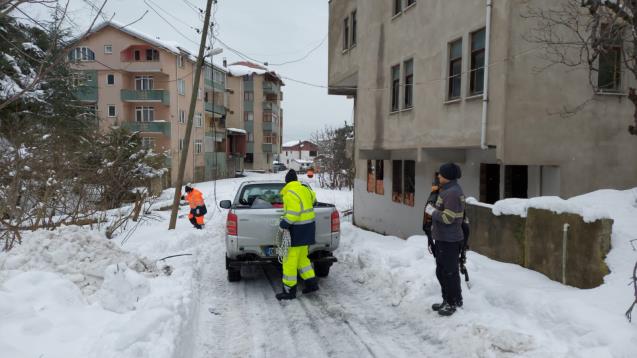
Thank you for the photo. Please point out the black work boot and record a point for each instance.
(436, 306)
(447, 309)
(311, 285)
(289, 293)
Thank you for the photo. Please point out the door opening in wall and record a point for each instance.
(489, 183)
(516, 181)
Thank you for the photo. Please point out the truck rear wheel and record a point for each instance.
(322, 269)
(234, 275)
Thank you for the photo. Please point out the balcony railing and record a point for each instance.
(270, 148)
(148, 127)
(86, 93)
(161, 96)
(216, 108)
(271, 127)
(217, 86)
(270, 88)
(271, 106)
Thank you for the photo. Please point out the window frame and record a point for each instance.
(182, 116)
(408, 83)
(473, 69)
(379, 177)
(180, 61)
(371, 177)
(108, 110)
(346, 34)
(180, 145)
(198, 146)
(108, 52)
(394, 95)
(181, 87)
(397, 181)
(397, 7)
(149, 142)
(617, 71)
(353, 29)
(108, 77)
(248, 116)
(144, 83)
(248, 96)
(146, 113)
(451, 61)
(198, 120)
(409, 201)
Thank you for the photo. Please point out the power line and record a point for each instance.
(305, 56)
(170, 24)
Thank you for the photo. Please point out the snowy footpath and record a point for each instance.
(72, 293)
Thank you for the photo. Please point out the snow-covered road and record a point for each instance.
(63, 294)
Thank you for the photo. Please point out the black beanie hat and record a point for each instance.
(291, 176)
(450, 171)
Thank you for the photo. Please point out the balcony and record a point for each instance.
(216, 108)
(268, 148)
(148, 127)
(248, 126)
(271, 106)
(216, 86)
(270, 127)
(86, 93)
(250, 147)
(158, 96)
(270, 88)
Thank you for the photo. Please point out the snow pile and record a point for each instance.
(555, 204)
(122, 288)
(240, 70)
(77, 254)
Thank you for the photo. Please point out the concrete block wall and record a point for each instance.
(535, 242)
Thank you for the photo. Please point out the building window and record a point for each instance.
(410, 2)
(148, 142)
(346, 34)
(476, 81)
(137, 55)
(398, 6)
(609, 75)
(395, 88)
(144, 114)
(110, 79)
(112, 112)
(370, 176)
(81, 54)
(248, 116)
(397, 181)
(248, 96)
(250, 137)
(267, 138)
(108, 49)
(144, 83)
(181, 87)
(152, 54)
(180, 60)
(380, 184)
(182, 116)
(354, 30)
(247, 78)
(410, 182)
(313, 153)
(249, 158)
(198, 146)
(455, 69)
(198, 120)
(408, 68)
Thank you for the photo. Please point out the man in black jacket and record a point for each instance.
(448, 216)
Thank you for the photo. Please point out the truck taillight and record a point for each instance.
(336, 221)
(231, 224)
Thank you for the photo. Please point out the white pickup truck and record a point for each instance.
(253, 223)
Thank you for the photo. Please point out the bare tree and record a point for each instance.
(600, 35)
(335, 166)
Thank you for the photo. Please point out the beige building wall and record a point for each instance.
(564, 156)
(166, 73)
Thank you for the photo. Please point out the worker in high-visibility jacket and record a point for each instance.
(298, 218)
(197, 206)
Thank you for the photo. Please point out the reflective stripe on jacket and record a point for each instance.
(195, 198)
(298, 203)
(449, 214)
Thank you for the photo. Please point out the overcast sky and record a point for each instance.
(275, 31)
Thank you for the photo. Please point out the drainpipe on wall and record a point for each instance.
(485, 93)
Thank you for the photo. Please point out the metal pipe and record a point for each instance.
(485, 91)
(564, 242)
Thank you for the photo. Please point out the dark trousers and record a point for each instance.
(447, 270)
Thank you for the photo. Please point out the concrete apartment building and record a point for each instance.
(256, 107)
(142, 83)
(416, 70)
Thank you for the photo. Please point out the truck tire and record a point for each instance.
(322, 269)
(234, 275)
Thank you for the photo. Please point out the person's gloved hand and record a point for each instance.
(431, 246)
(284, 225)
(429, 209)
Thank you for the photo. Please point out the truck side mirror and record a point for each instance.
(225, 204)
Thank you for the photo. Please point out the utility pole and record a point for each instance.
(191, 112)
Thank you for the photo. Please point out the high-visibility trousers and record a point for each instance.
(296, 261)
(198, 219)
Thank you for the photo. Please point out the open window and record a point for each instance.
(371, 178)
(397, 181)
(410, 182)
(380, 186)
